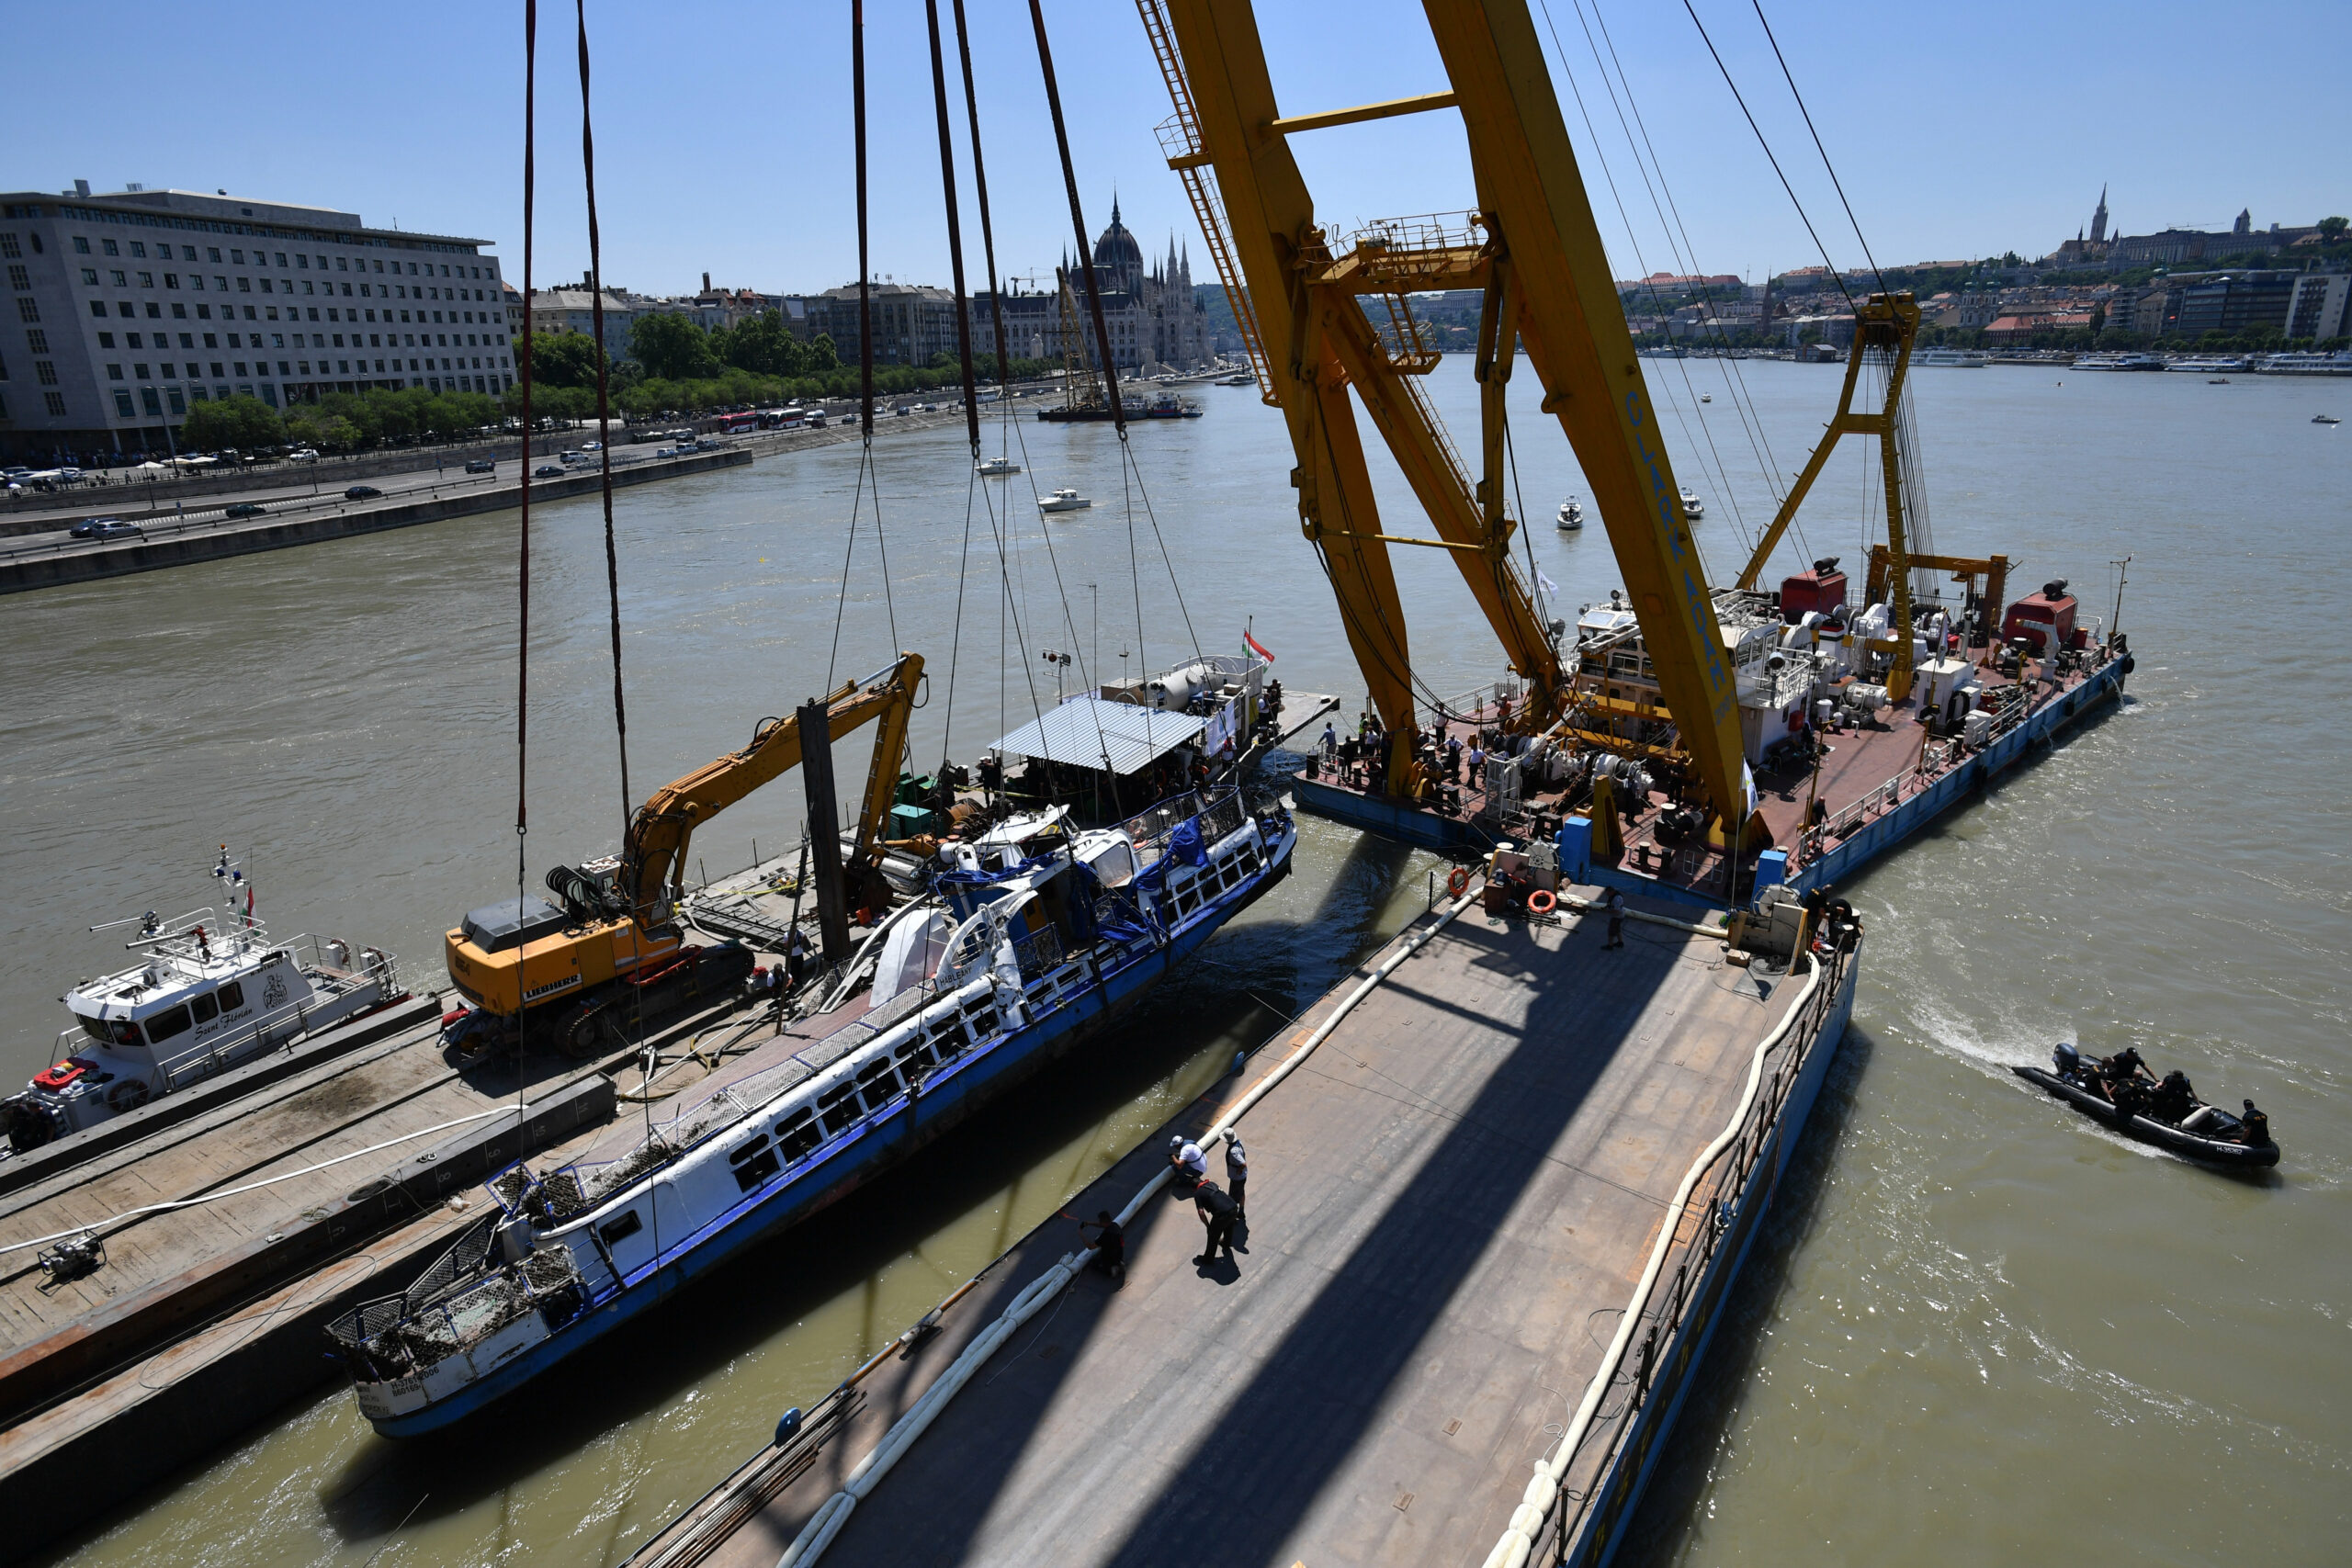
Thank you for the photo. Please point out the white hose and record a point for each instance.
(1518, 1540)
(97, 1225)
(827, 1522)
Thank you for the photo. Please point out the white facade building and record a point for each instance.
(127, 308)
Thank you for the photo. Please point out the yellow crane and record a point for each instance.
(1531, 245)
(521, 956)
(1886, 326)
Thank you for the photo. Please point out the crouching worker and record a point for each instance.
(1109, 1247)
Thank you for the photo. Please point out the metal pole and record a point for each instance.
(824, 827)
(2122, 569)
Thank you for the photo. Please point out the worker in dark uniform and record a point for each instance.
(1218, 1214)
(2173, 1100)
(1614, 902)
(1237, 1174)
(1109, 1247)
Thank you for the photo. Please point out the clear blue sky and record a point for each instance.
(723, 130)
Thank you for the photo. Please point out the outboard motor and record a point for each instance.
(2069, 1060)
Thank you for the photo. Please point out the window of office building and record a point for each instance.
(122, 405)
(27, 308)
(56, 402)
(20, 279)
(37, 340)
(109, 247)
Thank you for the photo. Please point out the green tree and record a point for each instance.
(327, 432)
(765, 347)
(242, 423)
(563, 359)
(673, 348)
(823, 356)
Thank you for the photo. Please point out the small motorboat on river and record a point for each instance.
(2121, 1093)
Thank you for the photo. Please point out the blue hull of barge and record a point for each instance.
(1620, 1488)
(857, 1155)
(1402, 819)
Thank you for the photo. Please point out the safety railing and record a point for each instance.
(1703, 1230)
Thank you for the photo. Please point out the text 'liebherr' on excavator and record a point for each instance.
(615, 951)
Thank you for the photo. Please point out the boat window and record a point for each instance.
(950, 1039)
(878, 1083)
(110, 1031)
(796, 1134)
(231, 995)
(164, 1025)
(915, 1056)
(615, 1230)
(754, 1163)
(837, 1108)
(206, 1006)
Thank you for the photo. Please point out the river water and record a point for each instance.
(1980, 1330)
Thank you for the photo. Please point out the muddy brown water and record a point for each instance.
(1980, 1329)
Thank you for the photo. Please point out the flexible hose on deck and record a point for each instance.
(1527, 1519)
(828, 1520)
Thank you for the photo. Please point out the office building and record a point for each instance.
(2318, 308)
(127, 307)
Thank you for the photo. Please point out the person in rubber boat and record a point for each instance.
(2124, 1080)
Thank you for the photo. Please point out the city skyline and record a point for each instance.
(1950, 160)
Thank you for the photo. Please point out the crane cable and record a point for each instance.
(1721, 481)
(1834, 275)
(1130, 474)
(604, 411)
(523, 575)
(1751, 419)
(1817, 147)
(865, 471)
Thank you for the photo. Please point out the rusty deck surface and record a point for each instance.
(1451, 1200)
(1859, 759)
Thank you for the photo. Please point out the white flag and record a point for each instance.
(1544, 582)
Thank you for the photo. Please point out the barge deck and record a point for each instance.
(1460, 1194)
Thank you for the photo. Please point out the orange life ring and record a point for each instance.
(1540, 903)
(1458, 882)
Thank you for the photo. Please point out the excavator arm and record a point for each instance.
(657, 836)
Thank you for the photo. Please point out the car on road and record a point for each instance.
(482, 465)
(244, 509)
(112, 528)
(549, 471)
(362, 492)
(307, 455)
(88, 527)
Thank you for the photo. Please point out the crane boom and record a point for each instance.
(1533, 247)
(1885, 325)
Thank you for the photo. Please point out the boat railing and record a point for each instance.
(1149, 831)
(1678, 1302)
(2012, 706)
(275, 1026)
(1038, 953)
(1478, 699)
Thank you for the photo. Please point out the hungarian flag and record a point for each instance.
(1258, 647)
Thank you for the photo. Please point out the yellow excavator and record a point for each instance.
(613, 951)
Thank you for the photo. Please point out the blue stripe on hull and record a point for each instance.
(882, 1143)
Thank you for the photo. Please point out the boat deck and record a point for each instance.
(1868, 767)
(1454, 1198)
